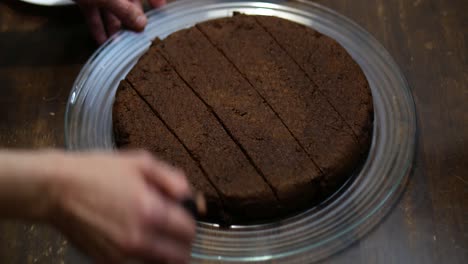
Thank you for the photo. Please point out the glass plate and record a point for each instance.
(318, 232)
(49, 2)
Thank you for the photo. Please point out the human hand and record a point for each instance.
(106, 17)
(119, 207)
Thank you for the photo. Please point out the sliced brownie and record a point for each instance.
(266, 116)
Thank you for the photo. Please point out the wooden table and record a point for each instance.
(43, 49)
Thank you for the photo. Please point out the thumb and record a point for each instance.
(127, 12)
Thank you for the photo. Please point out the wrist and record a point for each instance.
(29, 184)
(54, 179)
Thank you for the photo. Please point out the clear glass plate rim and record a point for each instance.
(382, 52)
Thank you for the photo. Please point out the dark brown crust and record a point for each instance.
(255, 116)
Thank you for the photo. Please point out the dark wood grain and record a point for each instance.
(43, 49)
(41, 52)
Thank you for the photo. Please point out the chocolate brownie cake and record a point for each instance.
(266, 116)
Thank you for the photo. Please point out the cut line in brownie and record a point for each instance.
(135, 126)
(335, 72)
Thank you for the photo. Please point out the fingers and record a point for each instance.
(127, 12)
(171, 233)
(99, 248)
(171, 219)
(115, 14)
(167, 179)
(138, 4)
(167, 232)
(171, 180)
(166, 250)
(157, 3)
(95, 24)
(113, 24)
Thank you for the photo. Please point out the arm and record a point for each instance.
(24, 182)
(113, 206)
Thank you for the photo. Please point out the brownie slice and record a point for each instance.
(203, 135)
(136, 126)
(335, 72)
(245, 116)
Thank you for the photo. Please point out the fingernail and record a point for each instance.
(200, 201)
(141, 21)
(196, 205)
(101, 40)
